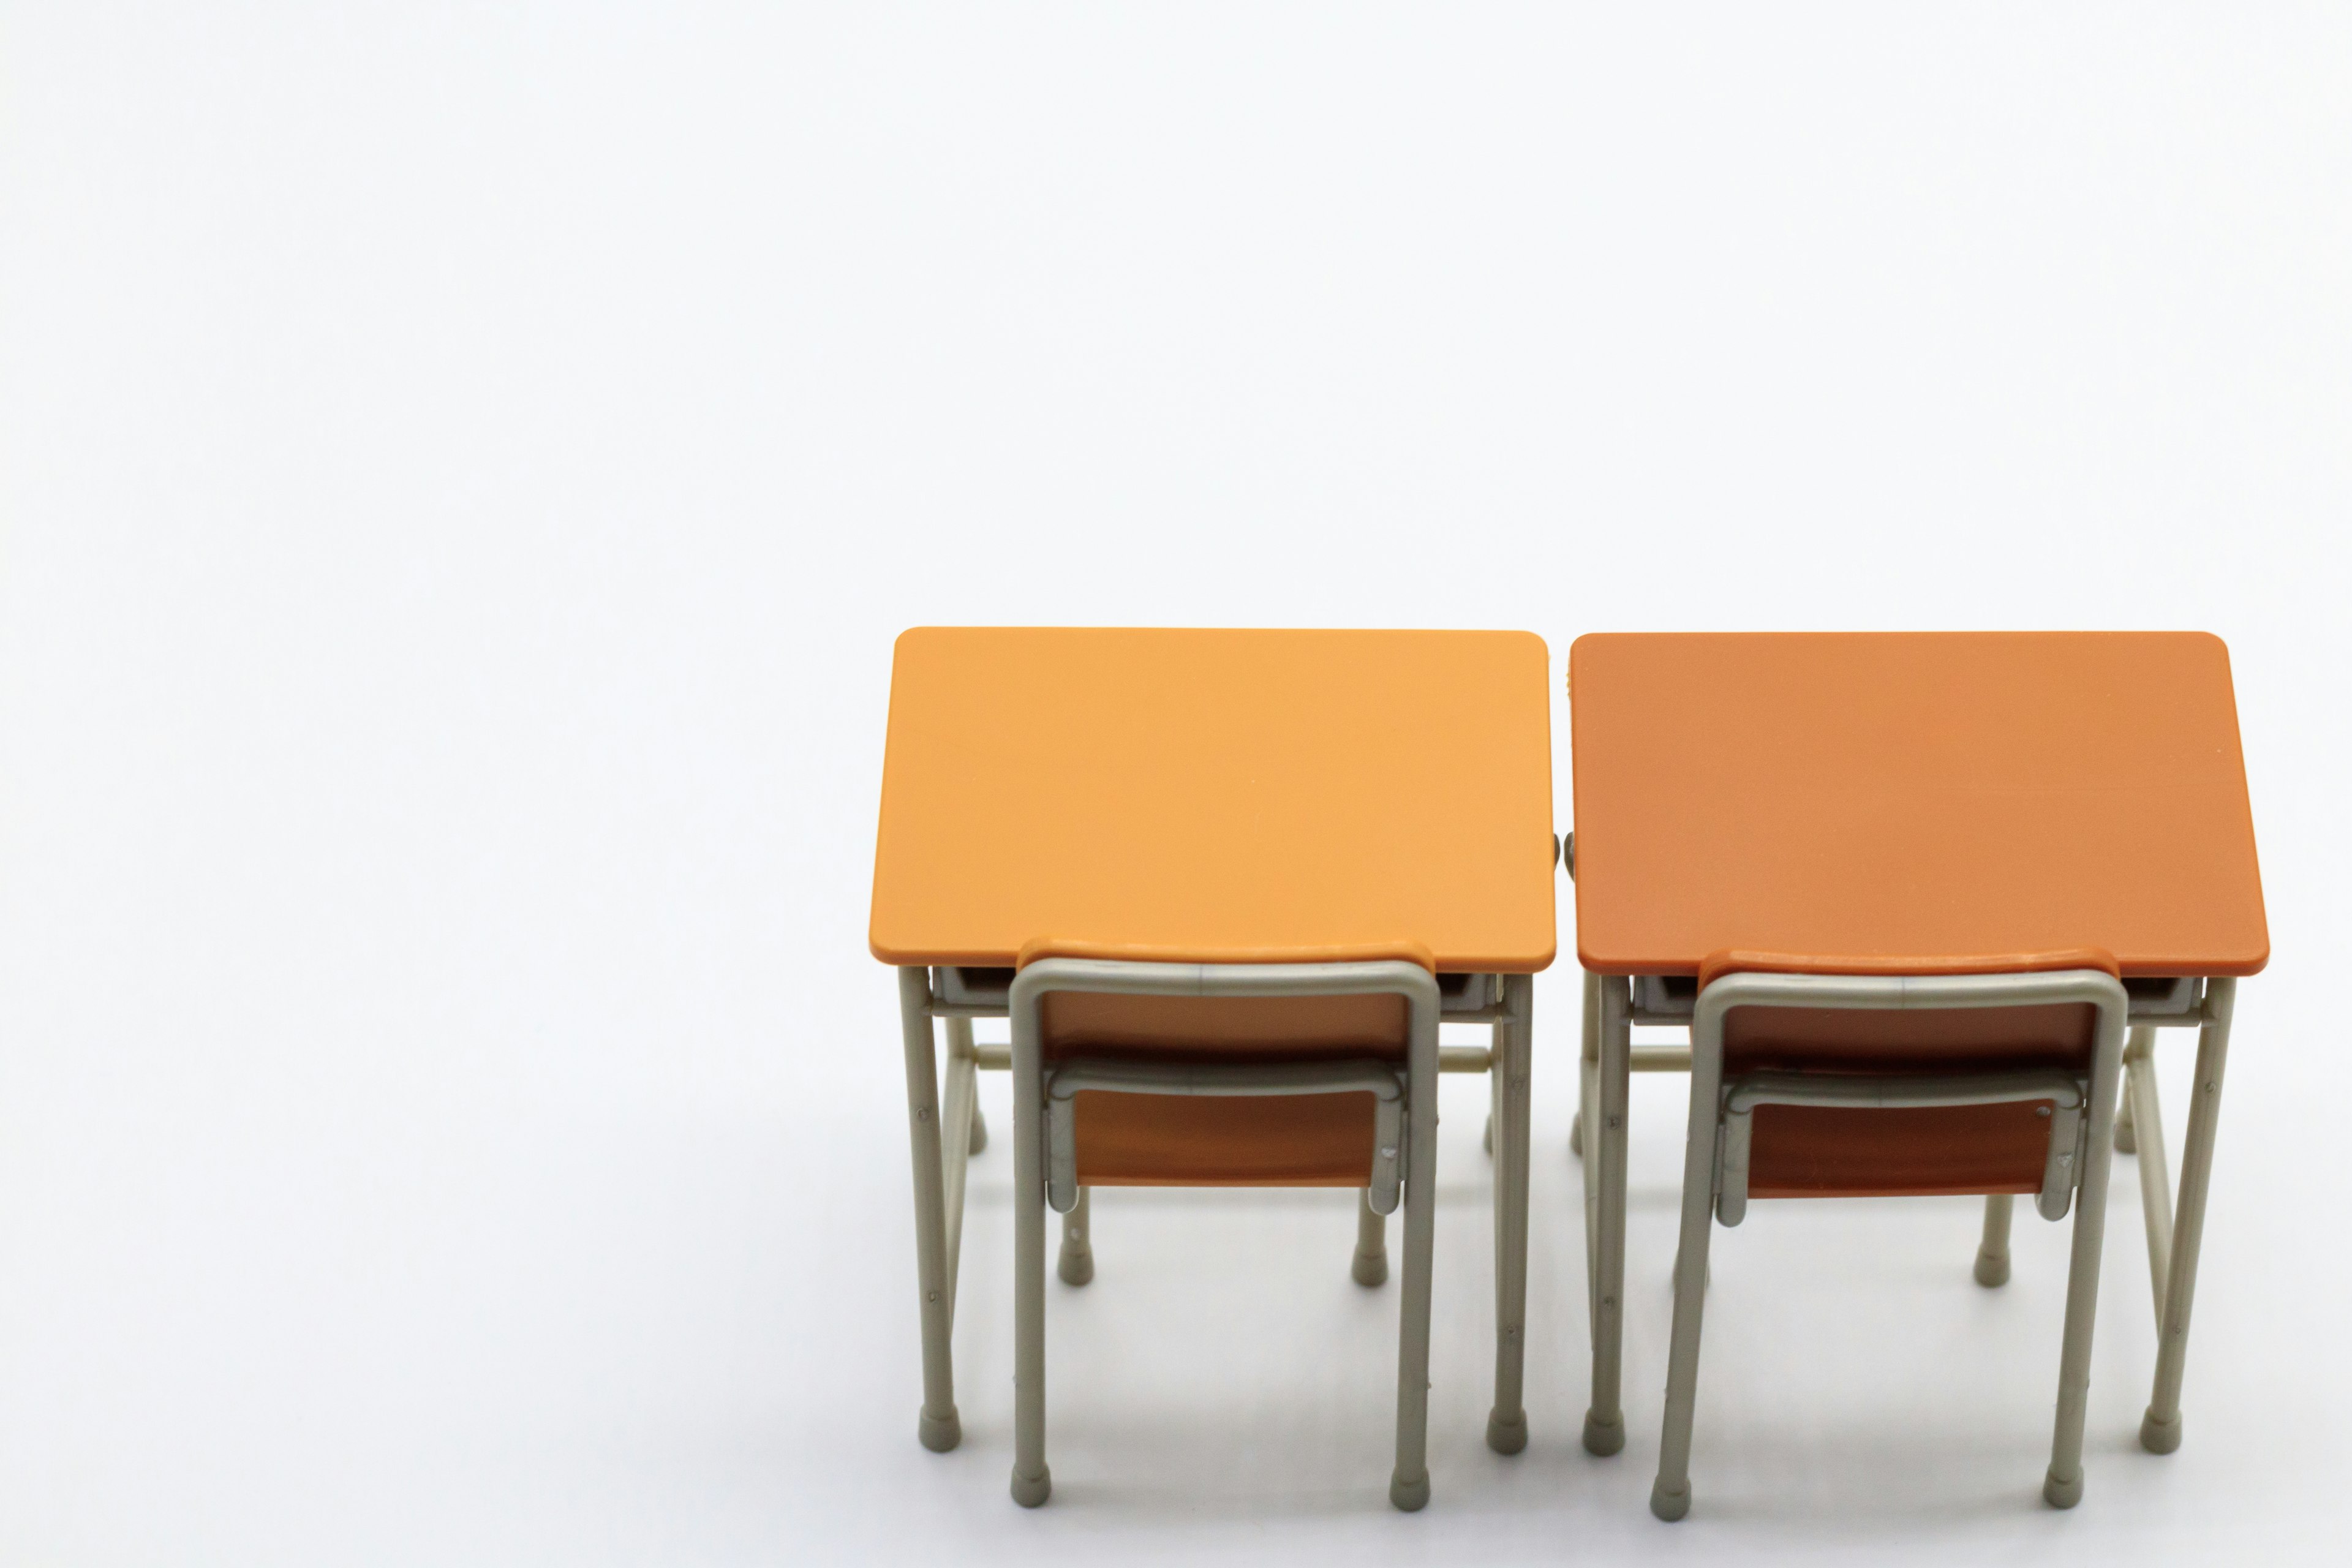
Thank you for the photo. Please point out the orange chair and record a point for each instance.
(1818, 1077)
(1167, 1074)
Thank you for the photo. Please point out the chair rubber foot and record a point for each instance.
(1410, 1495)
(938, 1433)
(1370, 1268)
(978, 1130)
(1604, 1437)
(2061, 1494)
(1669, 1506)
(1030, 1491)
(2126, 1140)
(1992, 1271)
(1506, 1436)
(1076, 1266)
(1576, 1137)
(2159, 1436)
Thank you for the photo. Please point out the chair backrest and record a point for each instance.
(1208, 1127)
(1810, 1036)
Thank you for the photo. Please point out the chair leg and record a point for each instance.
(1409, 1485)
(1608, 1014)
(1992, 1257)
(936, 1426)
(2063, 1486)
(1506, 1423)
(1670, 1496)
(1371, 1264)
(1032, 1483)
(1076, 1264)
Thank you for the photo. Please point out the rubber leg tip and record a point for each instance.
(1992, 1272)
(1370, 1268)
(1576, 1137)
(979, 1132)
(938, 1433)
(2126, 1140)
(1506, 1436)
(2159, 1436)
(1410, 1496)
(2061, 1494)
(1669, 1506)
(1077, 1264)
(1030, 1491)
(1604, 1437)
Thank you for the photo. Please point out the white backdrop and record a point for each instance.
(462, 476)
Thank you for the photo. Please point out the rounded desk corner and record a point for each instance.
(898, 644)
(885, 951)
(1542, 648)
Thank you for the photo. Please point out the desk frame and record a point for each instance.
(945, 1129)
(1614, 1004)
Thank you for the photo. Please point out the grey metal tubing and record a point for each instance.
(1992, 1253)
(938, 1426)
(1076, 1264)
(1371, 1261)
(1604, 1418)
(1032, 1480)
(1660, 1058)
(1670, 1496)
(1080, 1075)
(2159, 1431)
(956, 1124)
(1900, 1091)
(1506, 1423)
(2155, 1168)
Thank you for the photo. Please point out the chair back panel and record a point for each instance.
(1827, 1152)
(1223, 1028)
(1838, 1039)
(1203, 1141)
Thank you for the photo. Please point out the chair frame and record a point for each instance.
(1034, 1095)
(1717, 1099)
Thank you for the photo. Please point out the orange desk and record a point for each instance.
(1925, 796)
(1217, 794)
(1212, 797)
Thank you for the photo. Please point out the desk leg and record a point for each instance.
(938, 1426)
(2159, 1432)
(1507, 1424)
(1610, 1013)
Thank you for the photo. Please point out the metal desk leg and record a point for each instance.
(1605, 1422)
(1507, 1424)
(2159, 1431)
(938, 1426)
(2155, 1168)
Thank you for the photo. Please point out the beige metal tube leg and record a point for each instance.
(1371, 1264)
(2159, 1431)
(1670, 1495)
(1992, 1256)
(2155, 1166)
(957, 1115)
(1506, 1423)
(1032, 1483)
(2063, 1486)
(1409, 1485)
(1611, 1011)
(1076, 1264)
(937, 1425)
